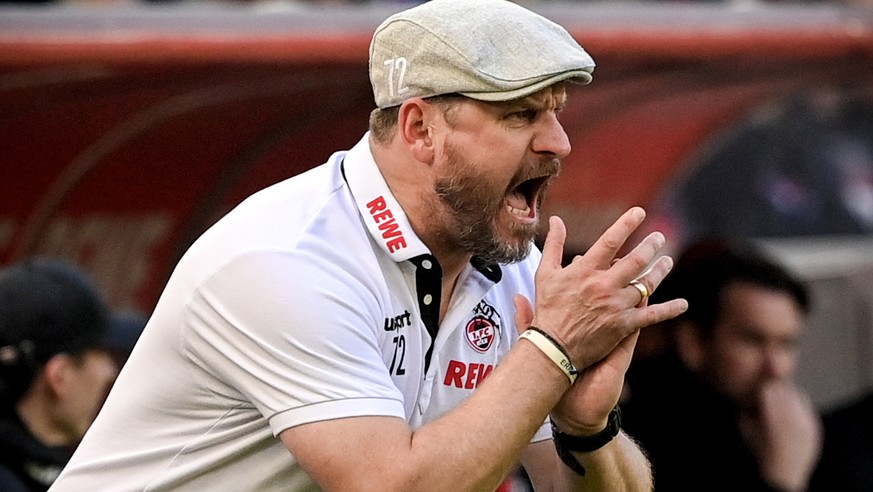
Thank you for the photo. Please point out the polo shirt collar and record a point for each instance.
(386, 221)
(380, 211)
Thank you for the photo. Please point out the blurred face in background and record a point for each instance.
(85, 383)
(754, 340)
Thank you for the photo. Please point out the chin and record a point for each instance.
(514, 251)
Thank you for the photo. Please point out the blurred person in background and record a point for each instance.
(719, 410)
(55, 368)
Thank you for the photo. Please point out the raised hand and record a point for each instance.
(785, 435)
(591, 309)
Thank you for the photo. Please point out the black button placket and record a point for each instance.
(428, 288)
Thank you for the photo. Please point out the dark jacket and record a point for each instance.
(847, 454)
(690, 434)
(26, 464)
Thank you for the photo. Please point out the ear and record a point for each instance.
(56, 373)
(689, 345)
(414, 120)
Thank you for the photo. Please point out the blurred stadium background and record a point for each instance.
(126, 129)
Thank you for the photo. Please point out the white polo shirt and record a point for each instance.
(311, 300)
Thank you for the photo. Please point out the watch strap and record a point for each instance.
(584, 444)
(569, 460)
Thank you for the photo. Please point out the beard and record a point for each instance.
(475, 214)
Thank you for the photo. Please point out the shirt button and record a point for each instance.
(426, 264)
(427, 299)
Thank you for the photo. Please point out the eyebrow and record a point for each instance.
(543, 99)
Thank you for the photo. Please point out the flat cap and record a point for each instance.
(490, 50)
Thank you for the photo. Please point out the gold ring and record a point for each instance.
(644, 291)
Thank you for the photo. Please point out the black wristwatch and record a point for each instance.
(566, 444)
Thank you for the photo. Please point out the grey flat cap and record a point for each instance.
(490, 50)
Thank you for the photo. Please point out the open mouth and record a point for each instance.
(523, 200)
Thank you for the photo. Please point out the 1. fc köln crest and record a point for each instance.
(480, 333)
(482, 329)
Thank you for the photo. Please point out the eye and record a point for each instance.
(527, 115)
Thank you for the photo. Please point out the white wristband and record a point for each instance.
(553, 351)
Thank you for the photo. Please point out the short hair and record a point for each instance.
(383, 122)
(708, 266)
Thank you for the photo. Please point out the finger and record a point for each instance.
(639, 259)
(639, 285)
(553, 246)
(523, 313)
(607, 245)
(656, 313)
(649, 280)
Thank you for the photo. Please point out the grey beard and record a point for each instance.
(474, 215)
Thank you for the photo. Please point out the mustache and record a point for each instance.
(547, 167)
(546, 170)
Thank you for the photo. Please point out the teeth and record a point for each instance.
(521, 212)
(517, 205)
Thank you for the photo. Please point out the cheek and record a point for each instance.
(738, 366)
(99, 376)
(492, 153)
(472, 181)
(784, 361)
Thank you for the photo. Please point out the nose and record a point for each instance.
(778, 362)
(108, 369)
(551, 138)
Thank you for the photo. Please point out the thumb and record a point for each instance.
(523, 312)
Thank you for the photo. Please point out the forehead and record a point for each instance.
(762, 310)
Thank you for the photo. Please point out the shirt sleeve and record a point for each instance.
(294, 338)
